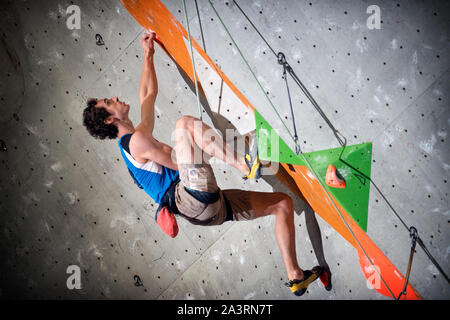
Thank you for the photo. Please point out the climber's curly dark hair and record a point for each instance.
(94, 121)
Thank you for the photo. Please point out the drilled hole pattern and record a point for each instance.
(67, 199)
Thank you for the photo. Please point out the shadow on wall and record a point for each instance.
(12, 88)
(287, 184)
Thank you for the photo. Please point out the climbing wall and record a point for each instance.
(67, 199)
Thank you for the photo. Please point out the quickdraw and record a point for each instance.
(414, 236)
(343, 142)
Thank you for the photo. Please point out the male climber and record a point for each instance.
(189, 186)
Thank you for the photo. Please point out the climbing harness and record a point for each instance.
(341, 139)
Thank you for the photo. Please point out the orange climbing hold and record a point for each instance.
(331, 178)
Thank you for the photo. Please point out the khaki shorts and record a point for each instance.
(201, 177)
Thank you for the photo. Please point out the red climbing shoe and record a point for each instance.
(325, 278)
(332, 180)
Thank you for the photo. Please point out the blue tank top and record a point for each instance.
(154, 178)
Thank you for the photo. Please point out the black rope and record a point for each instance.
(254, 27)
(337, 134)
(419, 240)
(282, 61)
(422, 245)
(341, 139)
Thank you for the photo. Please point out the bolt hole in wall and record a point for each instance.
(44, 77)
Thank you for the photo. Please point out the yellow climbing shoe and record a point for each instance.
(252, 161)
(298, 287)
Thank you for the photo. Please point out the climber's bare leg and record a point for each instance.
(193, 137)
(280, 205)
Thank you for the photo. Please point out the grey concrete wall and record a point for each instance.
(67, 199)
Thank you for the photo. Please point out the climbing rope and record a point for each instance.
(193, 61)
(342, 140)
(343, 143)
(291, 72)
(250, 69)
(301, 154)
(200, 24)
(282, 61)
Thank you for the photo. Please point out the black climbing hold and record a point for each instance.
(3, 146)
(99, 40)
(361, 178)
(137, 281)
